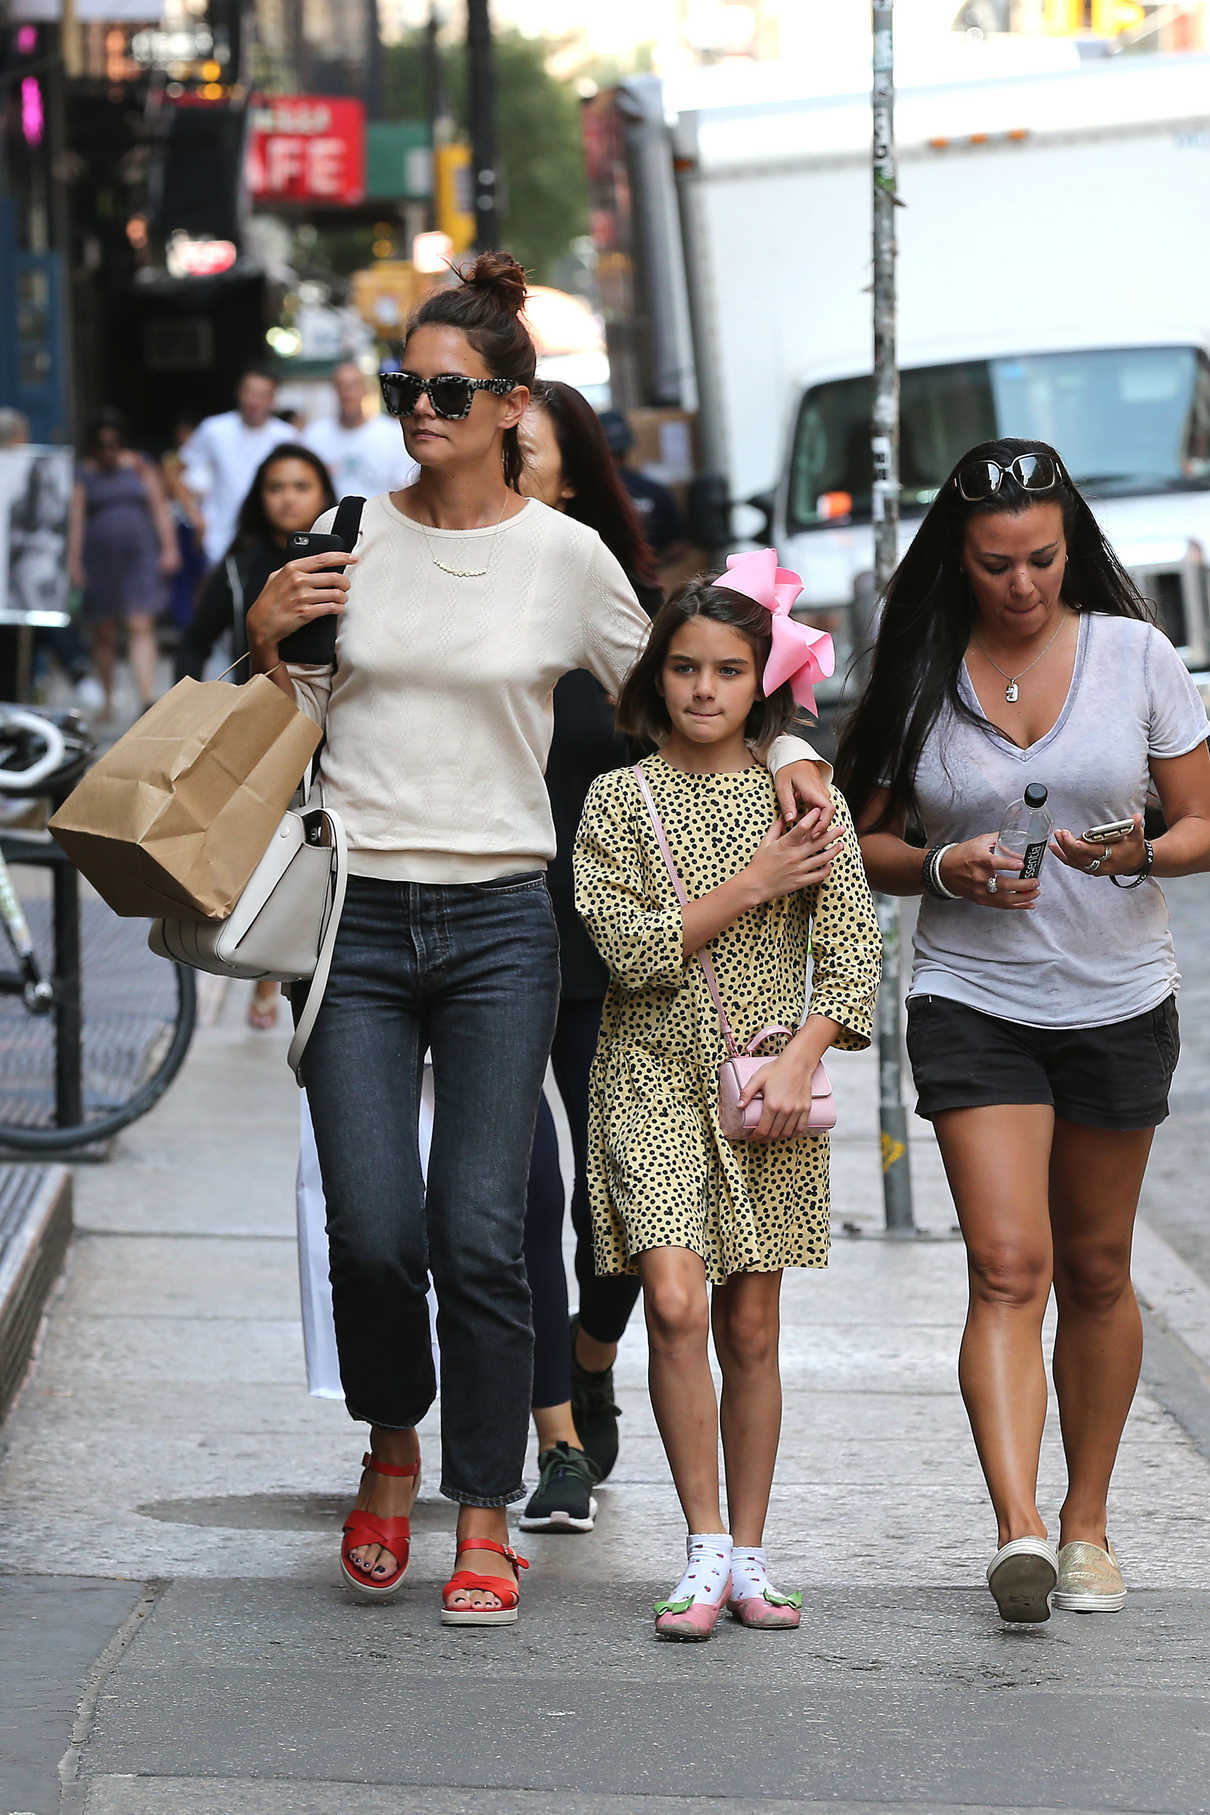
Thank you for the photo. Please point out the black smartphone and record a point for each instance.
(314, 643)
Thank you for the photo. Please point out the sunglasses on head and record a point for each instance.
(979, 479)
(451, 395)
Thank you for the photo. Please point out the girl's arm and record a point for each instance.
(641, 942)
(786, 860)
(847, 949)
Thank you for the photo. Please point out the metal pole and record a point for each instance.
(884, 442)
(482, 99)
(434, 82)
(372, 72)
(69, 1015)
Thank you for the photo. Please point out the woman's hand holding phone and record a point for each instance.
(304, 590)
(1109, 853)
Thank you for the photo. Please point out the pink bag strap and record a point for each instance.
(701, 954)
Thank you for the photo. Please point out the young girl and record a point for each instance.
(672, 1198)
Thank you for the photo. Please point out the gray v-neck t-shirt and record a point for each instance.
(1089, 953)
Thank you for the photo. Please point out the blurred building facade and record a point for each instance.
(673, 35)
(154, 161)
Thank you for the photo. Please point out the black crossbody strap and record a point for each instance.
(347, 525)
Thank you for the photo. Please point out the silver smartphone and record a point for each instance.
(1111, 833)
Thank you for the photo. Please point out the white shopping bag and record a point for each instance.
(319, 1334)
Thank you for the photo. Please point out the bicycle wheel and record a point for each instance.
(138, 1014)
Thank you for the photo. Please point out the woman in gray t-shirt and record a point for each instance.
(1042, 1027)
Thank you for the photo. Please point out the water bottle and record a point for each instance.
(1025, 830)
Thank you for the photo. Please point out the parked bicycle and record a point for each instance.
(93, 1027)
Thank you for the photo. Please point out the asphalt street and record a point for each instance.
(174, 1639)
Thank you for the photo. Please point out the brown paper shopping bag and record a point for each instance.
(175, 817)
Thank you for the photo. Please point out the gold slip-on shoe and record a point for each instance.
(1021, 1577)
(1089, 1580)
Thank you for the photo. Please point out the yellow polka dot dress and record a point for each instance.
(660, 1172)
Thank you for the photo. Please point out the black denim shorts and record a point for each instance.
(1103, 1077)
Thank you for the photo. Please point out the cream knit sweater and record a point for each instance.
(438, 718)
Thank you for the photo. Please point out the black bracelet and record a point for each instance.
(1139, 875)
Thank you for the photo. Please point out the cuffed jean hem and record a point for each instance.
(384, 1424)
(461, 1498)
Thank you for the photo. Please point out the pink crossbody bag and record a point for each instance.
(739, 1067)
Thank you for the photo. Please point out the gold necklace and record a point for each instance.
(462, 573)
(1012, 692)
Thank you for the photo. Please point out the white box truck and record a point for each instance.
(1054, 281)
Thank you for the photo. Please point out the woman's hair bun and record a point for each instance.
(499, 275)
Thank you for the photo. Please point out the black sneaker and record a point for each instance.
(594, 1412)
(563, 1499)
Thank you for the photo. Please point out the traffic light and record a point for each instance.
(1104, 18)
(452, 195)
(197, 176)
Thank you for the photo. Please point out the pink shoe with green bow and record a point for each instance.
(753, 1600)
(692, 1609)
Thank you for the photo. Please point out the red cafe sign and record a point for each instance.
(307, 148)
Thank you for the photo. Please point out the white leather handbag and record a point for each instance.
(285, 921)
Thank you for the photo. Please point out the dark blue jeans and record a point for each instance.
(470, 973)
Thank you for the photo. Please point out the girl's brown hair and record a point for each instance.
(641, 709)
(486, 305)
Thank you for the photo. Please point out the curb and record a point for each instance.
(35, 1229)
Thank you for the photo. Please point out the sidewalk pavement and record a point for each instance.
(174, 1640)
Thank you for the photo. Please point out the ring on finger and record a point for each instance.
(1094, 866)
(991, 885)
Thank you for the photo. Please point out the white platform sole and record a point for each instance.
(1022, 1576)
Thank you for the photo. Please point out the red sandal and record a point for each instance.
(470, 1581)
(394, 1535)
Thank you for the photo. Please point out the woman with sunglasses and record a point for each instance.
(465, 604)
(1042, 1029)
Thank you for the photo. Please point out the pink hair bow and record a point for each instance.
(800, 654)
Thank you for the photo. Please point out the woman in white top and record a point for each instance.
(465, 605)
(1015, 650)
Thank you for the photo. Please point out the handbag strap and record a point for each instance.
(327, 943)
(701, 954)
(347, 522)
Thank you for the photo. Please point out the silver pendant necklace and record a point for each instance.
(1012, 692)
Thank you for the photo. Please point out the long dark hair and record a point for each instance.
(927, 616)
(106, 418)
(486, 305)
(599, 498)
(641, 710)
(252, 526)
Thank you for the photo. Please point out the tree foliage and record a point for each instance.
(539, 157)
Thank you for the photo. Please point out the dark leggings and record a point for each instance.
(605, 1304)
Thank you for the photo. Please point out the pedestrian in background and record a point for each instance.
(187, 517)
(566, 464)
(1042, 1023)
(659, 512)
(290, 489)
(121, 547)
(224, 452)
(466, 604)
(708, 1224)
(364, 454)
